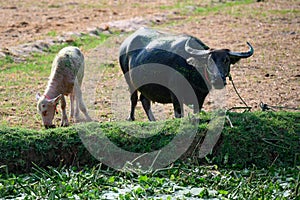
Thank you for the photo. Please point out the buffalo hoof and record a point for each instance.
(130, 119)
(64, 124)
(88, 119)
(50, 126)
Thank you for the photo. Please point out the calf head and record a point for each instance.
(215, 64)
(47, 108)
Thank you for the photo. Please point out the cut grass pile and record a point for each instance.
(260, 139)
(257, 158)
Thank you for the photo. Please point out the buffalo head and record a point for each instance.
(215, 64)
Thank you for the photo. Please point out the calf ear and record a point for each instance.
(37, 96)
(56, 99)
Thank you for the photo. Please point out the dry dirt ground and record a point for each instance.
(271, 75)
(29, 20)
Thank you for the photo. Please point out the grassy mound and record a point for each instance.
(260, 138)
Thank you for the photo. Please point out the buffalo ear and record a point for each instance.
(37, 96)
(234, 59)
(193, 61)
(197, 63)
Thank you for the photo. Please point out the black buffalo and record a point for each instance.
(154, 63)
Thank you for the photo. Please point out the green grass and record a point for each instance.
(52, 33)
(190, 9)
(221, 6)
(182, 181)
(284, 12)
(6, 61)
(257, 139)
(42, 62)
(203, 8)
(259, 158)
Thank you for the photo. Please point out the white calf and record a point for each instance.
(65, 79)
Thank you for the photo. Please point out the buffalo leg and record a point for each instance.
(147, 107)
(133, 99)
(178, 107)
(200, 104)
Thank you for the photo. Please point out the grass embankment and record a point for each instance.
(256, 159)
(259, 139)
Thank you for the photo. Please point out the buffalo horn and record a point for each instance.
(194, 51)
(243, 54)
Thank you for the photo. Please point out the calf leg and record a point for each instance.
(147, 107)
(133, 99)
(77, 119)
(64, 121)
(72, 98)
(76, 113)
(80, 103)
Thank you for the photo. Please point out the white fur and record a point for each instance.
(65, 79)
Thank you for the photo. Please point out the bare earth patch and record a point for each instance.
(271, 75)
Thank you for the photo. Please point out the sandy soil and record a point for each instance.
(29, 20)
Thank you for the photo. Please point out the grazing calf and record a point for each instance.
(65, 79)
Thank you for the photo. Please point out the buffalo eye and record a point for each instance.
(44, 113)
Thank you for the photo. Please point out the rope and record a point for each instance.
(265, 107)
(248, 108)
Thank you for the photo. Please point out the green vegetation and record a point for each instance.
(284, 12)
(54, 6)
(259, 156)
(204, 8)
(275, 135)
(221, 6)
(182, 181)
(42, 62)
(52, 33)
(6, 61)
